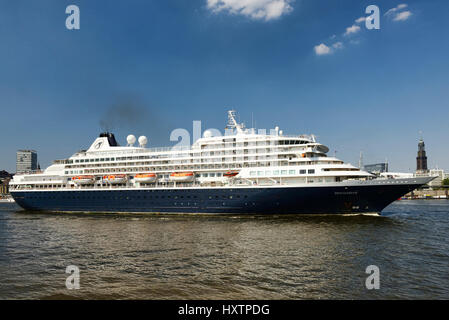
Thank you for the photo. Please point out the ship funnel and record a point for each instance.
(111, 138)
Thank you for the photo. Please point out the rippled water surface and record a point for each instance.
(226, 257)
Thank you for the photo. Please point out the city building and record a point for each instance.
(396, 175)
(376, 168)
(26, 161)
(422, 170)
(421, 159)
(4, 182)
(5, 174)
(440, 176)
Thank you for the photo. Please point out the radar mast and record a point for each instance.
(232, 123)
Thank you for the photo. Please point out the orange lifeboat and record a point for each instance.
(81, 180)
(230, 174)
(115, 178)
(145, 177)
(182, 176)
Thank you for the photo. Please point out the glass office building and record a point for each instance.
(26, 161)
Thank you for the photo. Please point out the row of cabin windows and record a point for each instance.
(94, 160)
(288, 142)
(74, 172)
(280, 172)
(210, 174)
(252, 173)
(282, 142)
(249, 160)
(224, 157)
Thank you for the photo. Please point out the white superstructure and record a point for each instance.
(241, 157)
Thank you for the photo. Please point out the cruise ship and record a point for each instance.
(242, 172)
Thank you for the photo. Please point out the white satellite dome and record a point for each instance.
(207, 134)
(143, 141)
(131, 139)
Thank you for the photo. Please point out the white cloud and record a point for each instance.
(399, 7)
(402, 16)
(322, 49)
(352, 29)
(363, 19)
(337, 45)
(255, 9)
(397, 13)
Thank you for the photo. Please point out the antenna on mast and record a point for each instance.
(361, 160)
(252, 120)
(232, 123)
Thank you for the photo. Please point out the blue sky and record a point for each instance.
(175, 61)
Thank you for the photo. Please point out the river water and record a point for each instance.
(123, 256)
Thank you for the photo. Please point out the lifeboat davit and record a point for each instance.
(145, 177)
(115, 178)
(230, 174)
(182, 176)
(81, 180)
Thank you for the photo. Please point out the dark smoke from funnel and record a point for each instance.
(131, 113)
(125, 113)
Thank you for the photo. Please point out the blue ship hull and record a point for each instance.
(344, 199)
